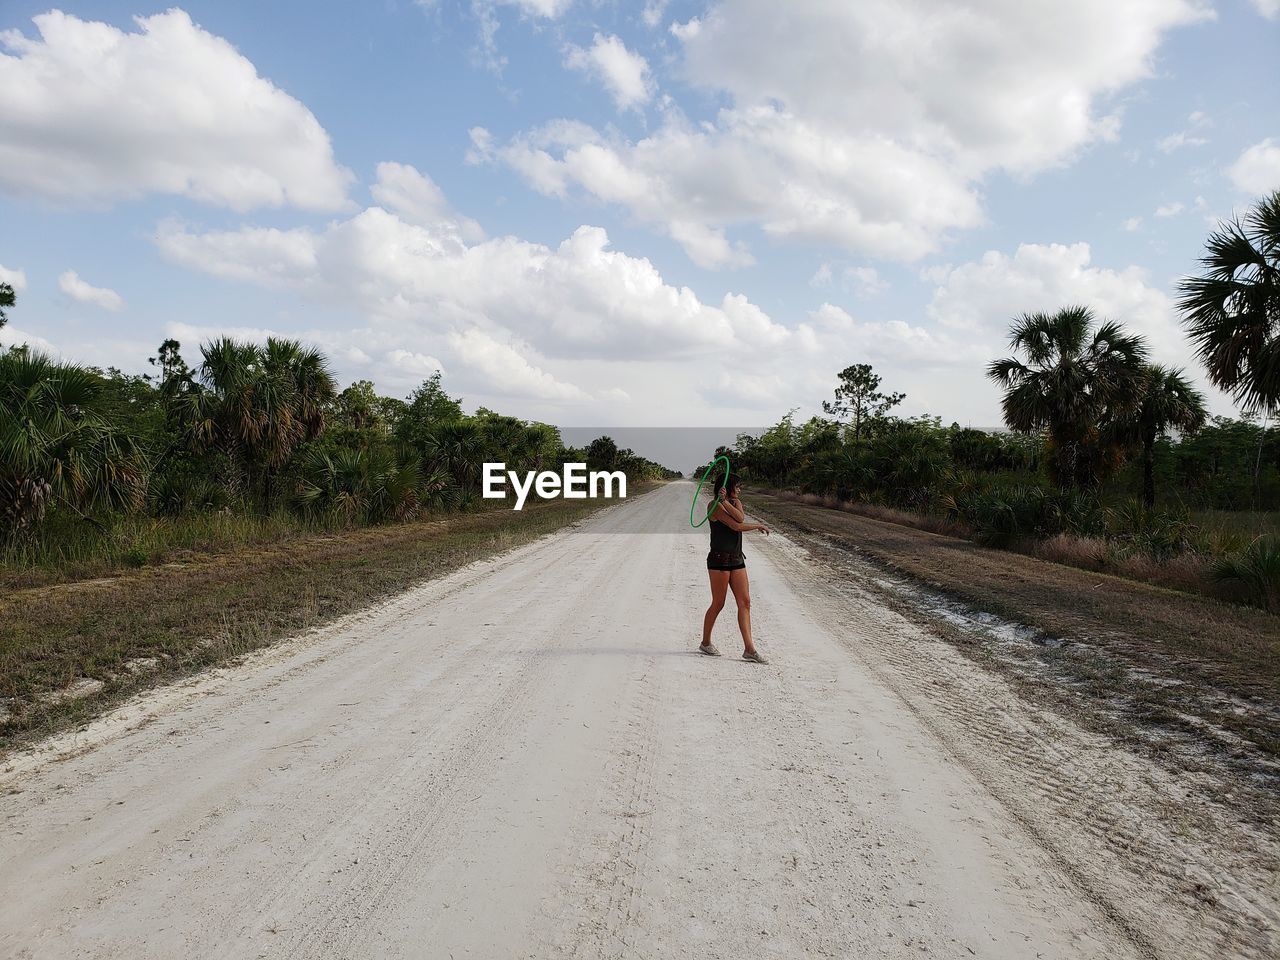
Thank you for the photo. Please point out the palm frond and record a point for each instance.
(1231, 311)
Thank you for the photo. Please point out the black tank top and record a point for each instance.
(724, 539)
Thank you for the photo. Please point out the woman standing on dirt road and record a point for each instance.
(727, 566)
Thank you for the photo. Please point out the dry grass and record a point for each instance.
(75, 550)
(1183, 571)
(1188, 571)
(1220, 661)
(1198, 632)
(876, 511)
(139, 627)
(1087, 553)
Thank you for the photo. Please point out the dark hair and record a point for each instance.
(721, 484)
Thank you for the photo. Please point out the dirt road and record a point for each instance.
(527, 759)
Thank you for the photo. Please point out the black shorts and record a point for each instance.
(722, 560)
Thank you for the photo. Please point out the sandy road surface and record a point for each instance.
(526, 759)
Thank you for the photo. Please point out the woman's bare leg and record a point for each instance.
(741, 587)
(719, 587)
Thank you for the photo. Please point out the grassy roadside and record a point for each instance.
(1241, 643)
(1172, 659)
(137, 540)
(1142, 555)
(70, 650)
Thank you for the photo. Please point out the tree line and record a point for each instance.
(252, 428)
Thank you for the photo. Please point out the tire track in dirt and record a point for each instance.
(602, 876)
(608, 889)
(432, 805)
(327, 825)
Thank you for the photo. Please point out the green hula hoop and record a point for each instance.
(706, 473)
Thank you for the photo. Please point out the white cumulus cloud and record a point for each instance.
(865, 126)
(977, 301)
(91, 113)
(82, 292)
(549, 9)
(508, 369)
(762, 166)
(625, 74)
(984, 296)
(895, 344)
(653, 11)
(416, 198)
(11, 336)
(419, 365)
(477, 306)
(15, 278)
(1257, 170)
(263, 255)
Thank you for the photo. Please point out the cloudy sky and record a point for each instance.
(599, 212)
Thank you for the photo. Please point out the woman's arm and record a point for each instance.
(740, 514)
(733, 523)
(733, 508)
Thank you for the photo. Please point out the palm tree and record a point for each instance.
(258, 403)
(58, 446)
(306, 371)
(1168, 402)
(540, 443)
(456, 447)
(7, 299)
(1077, 379)
(1232, 310)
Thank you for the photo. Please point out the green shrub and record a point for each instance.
(1161, 532)
(370, 486)
(1254, 571)
(999, 516)
(182, 494)
(1073, 511)
(1004, 514)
